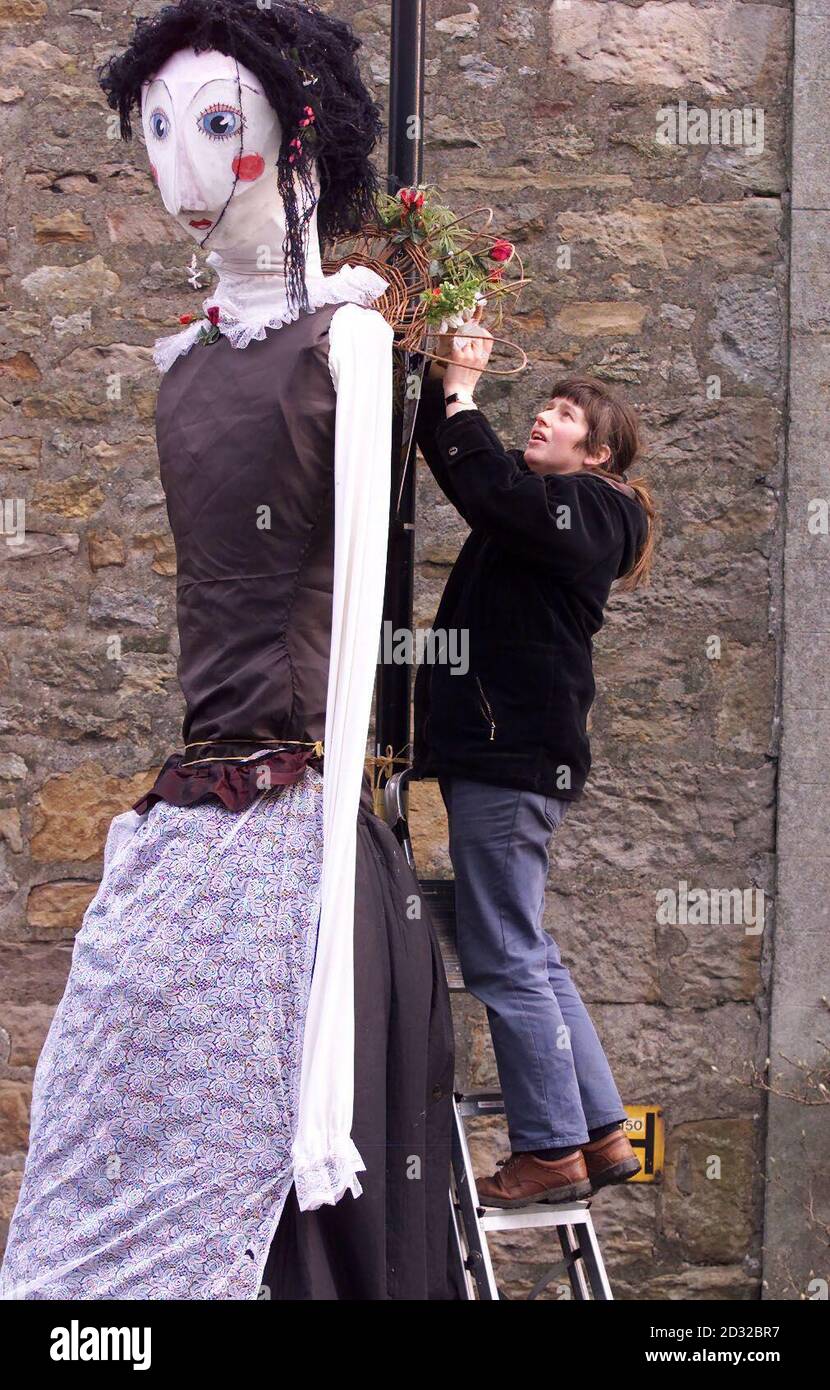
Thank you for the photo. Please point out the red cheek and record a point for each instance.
(248, 166)
(154, 171)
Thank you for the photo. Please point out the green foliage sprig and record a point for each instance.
(462, 278)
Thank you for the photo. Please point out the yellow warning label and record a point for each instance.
(644, 1131)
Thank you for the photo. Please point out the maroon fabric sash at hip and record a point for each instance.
(185, 781)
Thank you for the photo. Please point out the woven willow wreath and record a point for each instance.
(439, 269)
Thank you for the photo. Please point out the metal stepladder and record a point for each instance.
(470, 1220)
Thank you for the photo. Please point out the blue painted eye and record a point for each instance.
(159, 124)
(220, 122)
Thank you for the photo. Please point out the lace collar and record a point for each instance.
(351, 284)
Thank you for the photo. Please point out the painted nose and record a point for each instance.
(187, 196)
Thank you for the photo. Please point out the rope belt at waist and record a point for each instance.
(283, 744)
(382, 765)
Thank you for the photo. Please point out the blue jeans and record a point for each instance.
(554, 1076)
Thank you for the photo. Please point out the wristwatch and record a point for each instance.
(459, 396)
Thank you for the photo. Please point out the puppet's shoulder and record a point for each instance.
(360, 323)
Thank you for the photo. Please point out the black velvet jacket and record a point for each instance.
(530, 585)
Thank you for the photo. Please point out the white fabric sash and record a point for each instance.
(326, 1161)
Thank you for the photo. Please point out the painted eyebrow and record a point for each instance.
(246, 85)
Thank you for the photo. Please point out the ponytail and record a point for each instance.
(640, 572)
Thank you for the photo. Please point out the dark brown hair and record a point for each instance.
(612, 421)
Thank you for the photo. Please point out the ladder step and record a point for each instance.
(534, 1214)
(473, 1103)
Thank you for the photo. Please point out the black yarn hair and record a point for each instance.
(347, 122)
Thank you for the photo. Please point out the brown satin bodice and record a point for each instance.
(246, 452)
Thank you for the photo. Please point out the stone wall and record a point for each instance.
(659, 267)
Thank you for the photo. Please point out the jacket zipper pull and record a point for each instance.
(486, 709)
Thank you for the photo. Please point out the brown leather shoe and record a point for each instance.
(525, 1178)
(610, 1159)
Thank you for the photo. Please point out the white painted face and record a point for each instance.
(200, 137)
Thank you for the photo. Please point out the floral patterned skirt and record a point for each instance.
(166, 1096)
